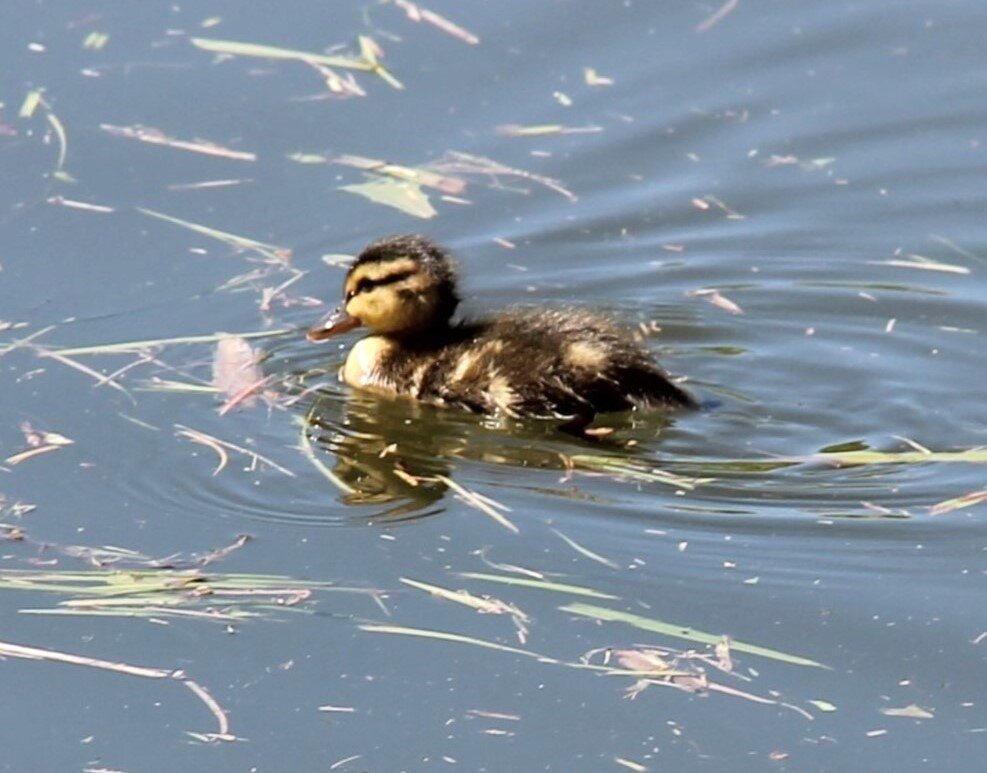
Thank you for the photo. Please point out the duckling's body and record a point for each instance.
(562, 364)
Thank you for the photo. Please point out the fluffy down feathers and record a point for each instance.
(562, 363)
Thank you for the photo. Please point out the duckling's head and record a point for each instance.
(398, 286)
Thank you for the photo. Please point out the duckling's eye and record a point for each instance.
(366, 283)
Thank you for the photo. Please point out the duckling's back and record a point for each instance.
(563, 363)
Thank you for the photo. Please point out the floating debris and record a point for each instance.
(400, 186)
(586, 551)
(717, 298)
(455, 162)
(485, 605)
(235, 48)
(545, 130)
(420, 14)
(483, 504)
(417, 175)
(911, 711)
(221, 446)
(96, 41)
(637, 767)
(236, 372)
(38, 443)
(546, 585)
(163, 593)
(405, 196)
(63, 144)
(270, 251)
(682, 670)
(593, 78)
(9, 649)
(457, 638)
(32, 101)
(958, 503)
(83, 205)
(857, 458)
(206, 184)
(367, 61)
(372, 53)
(717, 16)
(157, 137)
(632, 469)
(131, 347)
(30, 104)
(922, 264)
(338, 85)
(606, 614)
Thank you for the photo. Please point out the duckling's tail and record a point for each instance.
(655, 389)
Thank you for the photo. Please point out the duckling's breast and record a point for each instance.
(364, 368)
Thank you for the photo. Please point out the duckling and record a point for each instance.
(564, 364)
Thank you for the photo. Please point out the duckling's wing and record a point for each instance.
(573, 363)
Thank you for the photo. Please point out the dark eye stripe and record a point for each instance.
(366, 283)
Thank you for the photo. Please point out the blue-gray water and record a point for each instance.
(820, 165)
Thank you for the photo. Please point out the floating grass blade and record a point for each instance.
(479, 502)
(682, 632)
(858, 458)
(157, 137)
(483, 605)
(128, 347)
(219, 445)
(457, 638)
(63, 140)
(270, 251)
(957, 503)
(634, 470)
(525, 582)
(584, 551)
(853, 458)
(166, 593)
(9, 649)
(235, 48)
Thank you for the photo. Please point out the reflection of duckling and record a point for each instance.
(561, 364)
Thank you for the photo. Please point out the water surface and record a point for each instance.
(818, 166)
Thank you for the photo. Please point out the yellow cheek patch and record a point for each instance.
(393, 308)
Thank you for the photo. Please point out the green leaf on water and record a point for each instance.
(682, 632)
(406, 196)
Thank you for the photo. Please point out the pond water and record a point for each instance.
(788, 197)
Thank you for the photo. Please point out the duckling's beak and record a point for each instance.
(334, 323)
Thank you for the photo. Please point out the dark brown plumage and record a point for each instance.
(566, 364)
